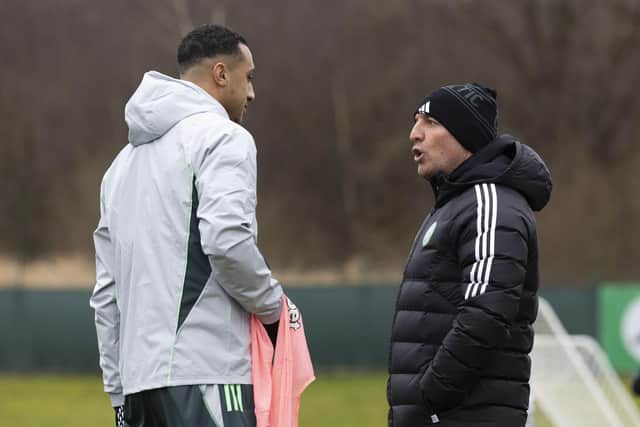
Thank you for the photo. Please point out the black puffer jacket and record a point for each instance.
(462, 330)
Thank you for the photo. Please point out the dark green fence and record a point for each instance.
(46, 330)
(346, 326)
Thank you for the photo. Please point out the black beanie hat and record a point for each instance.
(468, 111)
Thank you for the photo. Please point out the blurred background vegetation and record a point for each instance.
(337, 82)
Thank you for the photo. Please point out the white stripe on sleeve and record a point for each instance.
(485, 230)
(487, 216)
(473, 277)
(492, 237)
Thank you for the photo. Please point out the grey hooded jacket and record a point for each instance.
(177, 264)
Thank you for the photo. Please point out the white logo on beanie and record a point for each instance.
(424, 108)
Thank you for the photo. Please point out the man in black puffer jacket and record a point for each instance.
(462, 331)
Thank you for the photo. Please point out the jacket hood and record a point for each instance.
(160, 102)
(504, 161)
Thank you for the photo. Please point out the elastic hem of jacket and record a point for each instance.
(245, 379)
(117, 399)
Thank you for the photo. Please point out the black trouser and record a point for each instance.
(229, 405)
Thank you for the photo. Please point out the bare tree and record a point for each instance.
(337, 84)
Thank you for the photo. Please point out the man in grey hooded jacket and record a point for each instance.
(177, 263)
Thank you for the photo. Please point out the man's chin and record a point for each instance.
(240, 118)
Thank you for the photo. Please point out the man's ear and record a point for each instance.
(220, 74)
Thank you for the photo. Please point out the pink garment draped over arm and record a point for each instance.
(279, 379)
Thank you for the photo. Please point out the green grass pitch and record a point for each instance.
(336, 400)
(78, 401)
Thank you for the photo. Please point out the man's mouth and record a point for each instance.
(417, 155)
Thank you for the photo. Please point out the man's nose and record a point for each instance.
(415, 135)
(251, 95)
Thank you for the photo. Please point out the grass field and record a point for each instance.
(346, 400)
(78, 401)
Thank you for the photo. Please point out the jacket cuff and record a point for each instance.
(272, 317)
(117, 399)
(269, 319)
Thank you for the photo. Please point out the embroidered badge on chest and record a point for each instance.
(429, 233)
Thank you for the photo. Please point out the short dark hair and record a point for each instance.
(207, 41)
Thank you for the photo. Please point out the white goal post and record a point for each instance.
(572, 381)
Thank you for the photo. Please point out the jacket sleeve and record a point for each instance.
(107, 314)
(492, 244)
(225, 178)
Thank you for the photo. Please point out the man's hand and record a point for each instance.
(119, 410)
